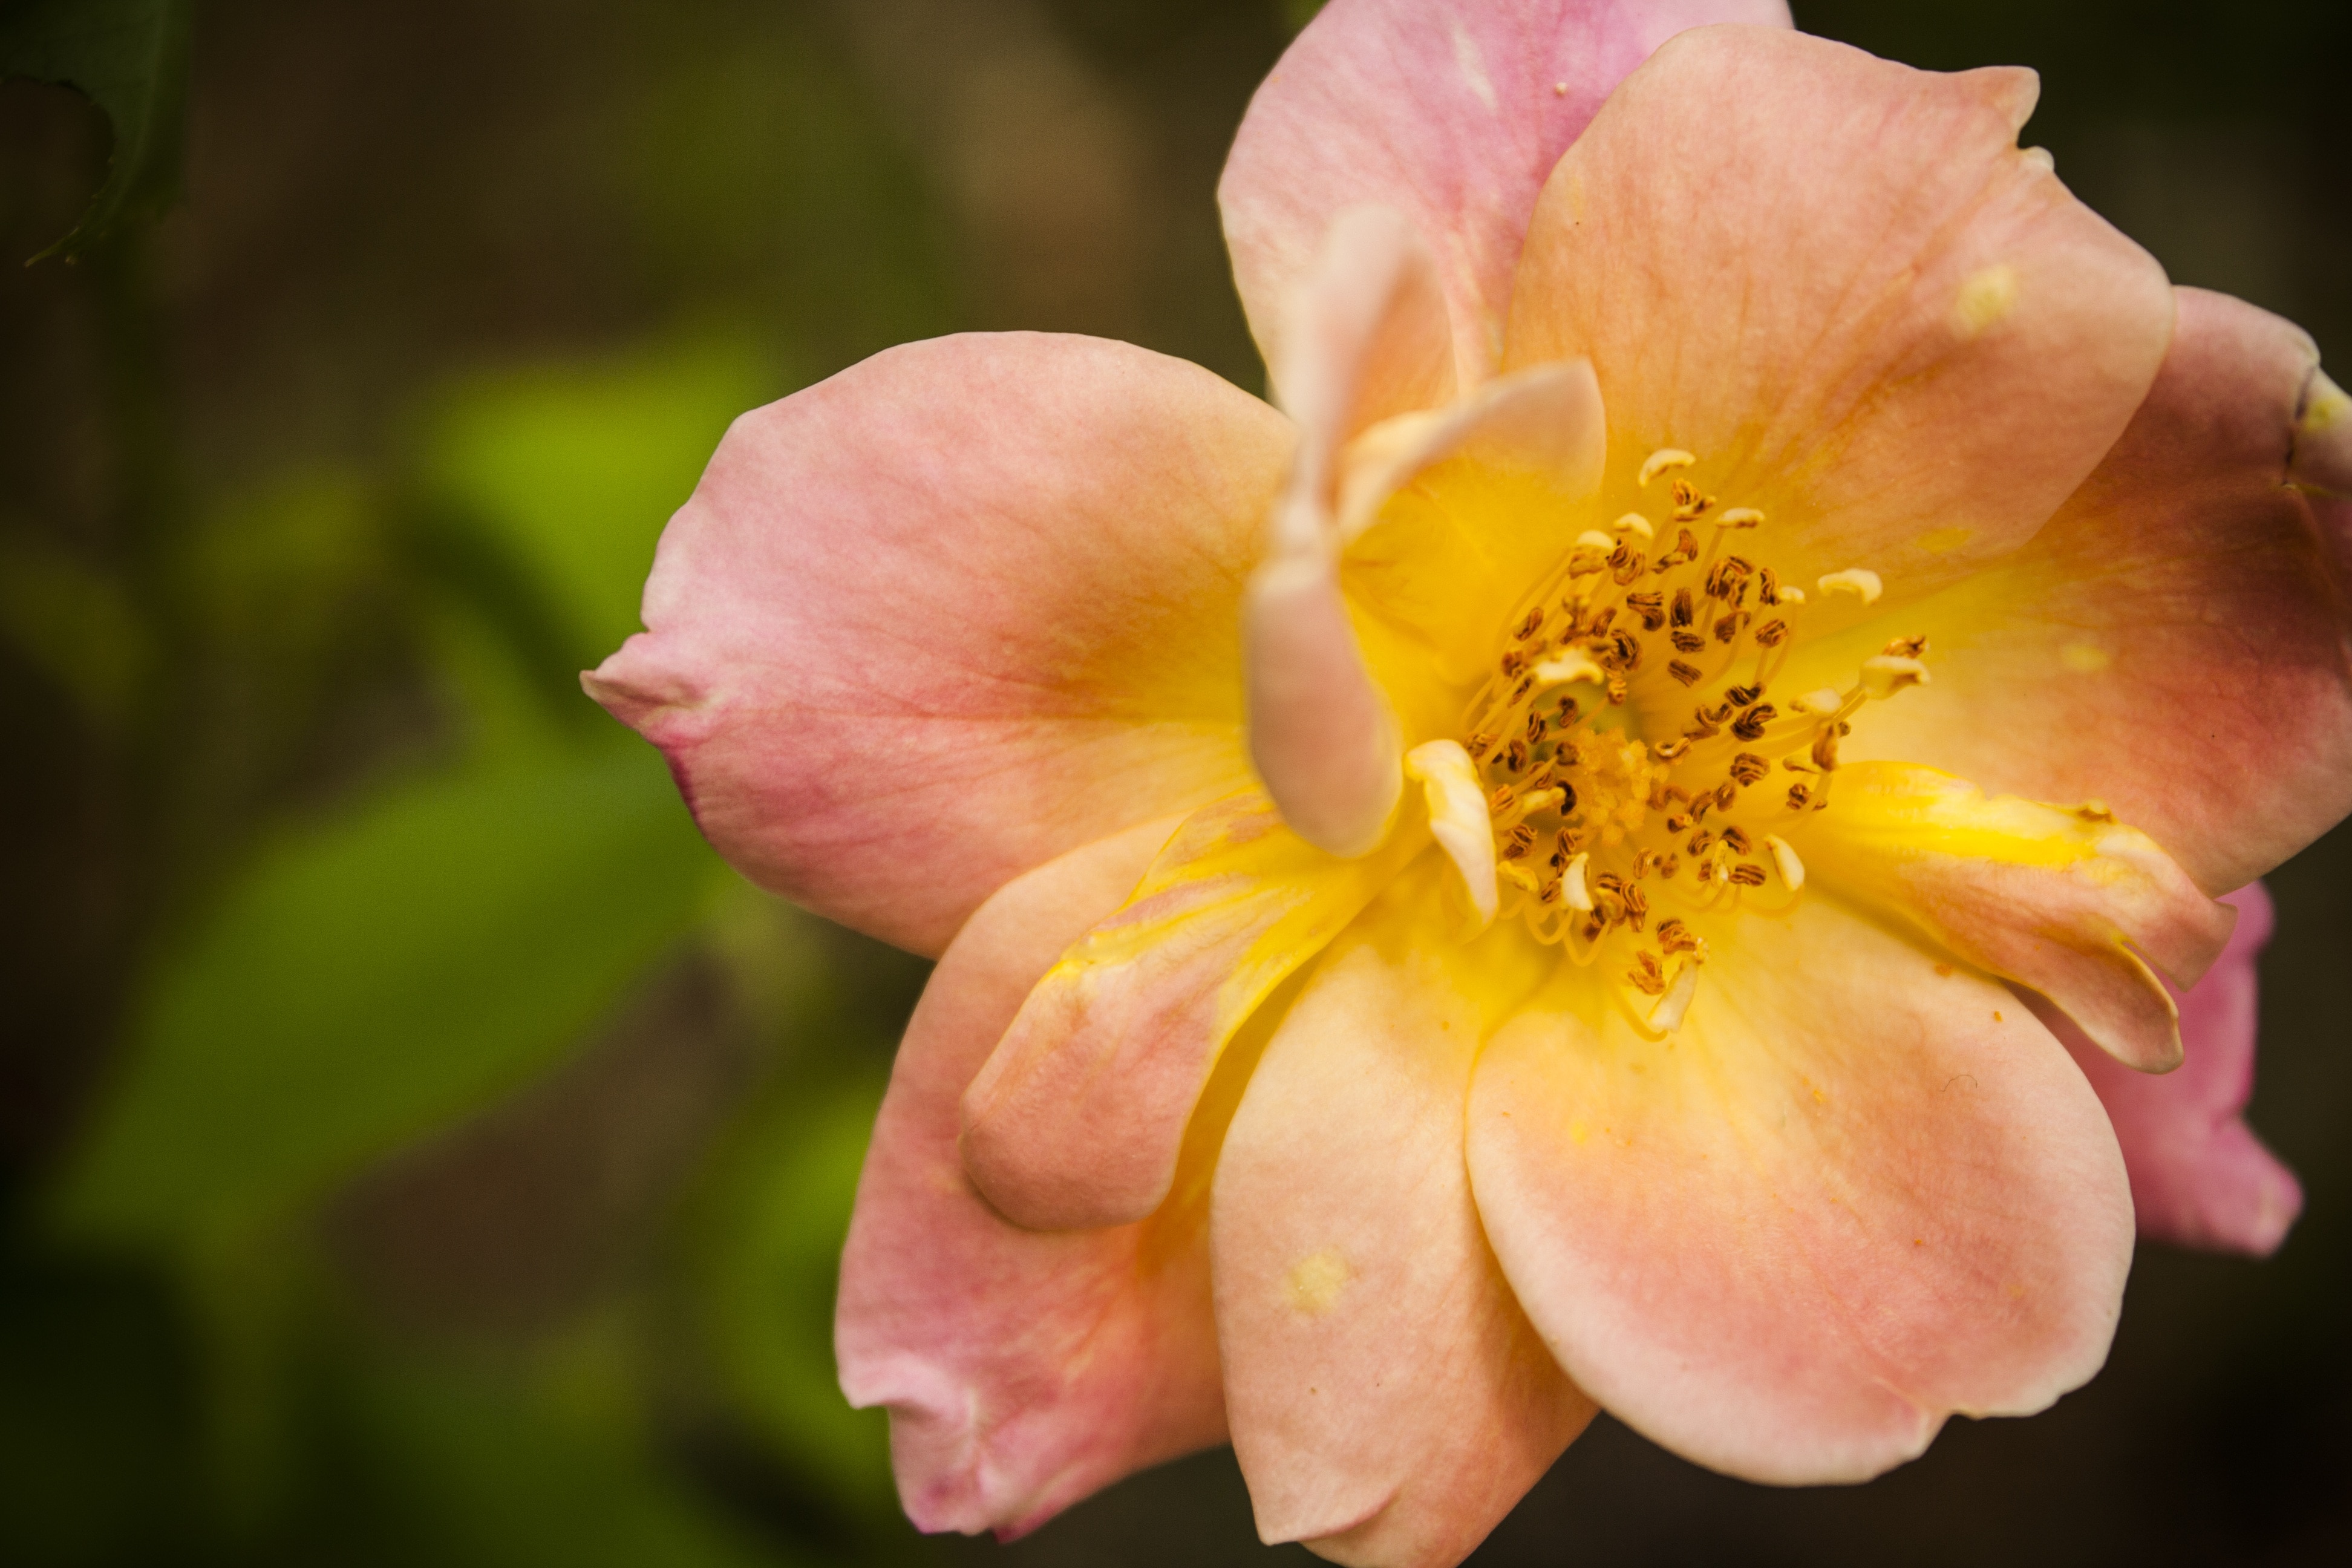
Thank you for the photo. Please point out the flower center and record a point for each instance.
(1613, 842)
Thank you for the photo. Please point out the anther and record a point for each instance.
(1646, 975)
(1739, 517)
(1522, 838)
(1886, 674)
(1667, 1016)
(1690, 504)
(1737, 836)
(1826, 700)
(1862, 583)
(1571, 883)
(1659, 461)
(1651, 607)
(1675, 937)
(1529, 627)
(1772, 633)
(1800, 797)
(1685, 673)
(1792, 869)
(1748, 768)
(1668, 751)
(1746, 875)
(1750, 725)
(1633, 522)
(1565, 671)
(1687, 642)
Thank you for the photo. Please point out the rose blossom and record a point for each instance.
(1575, 865)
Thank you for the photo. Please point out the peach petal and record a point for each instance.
(1849, 1196)
(963, 608)
(1367, 340)
(2175, 642)
(2070, 902)
(1839, 283)
(1022, 1372)
(1388, 1401)
(1322, 735)
(1452, 114)
(1078, 1117)
(2199, 1175)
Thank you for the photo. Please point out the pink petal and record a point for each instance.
(958, 609)
(1022, 1372)
(1839, 283)
(1078, 1118)
(1850, 1196)
(2070, 902)
(2175, 641)
(2199, 1175)
(1389, 1400)
(1452, 114)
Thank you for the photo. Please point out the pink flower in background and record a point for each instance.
(1563, 868)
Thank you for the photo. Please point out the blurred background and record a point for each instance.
(416, 1147)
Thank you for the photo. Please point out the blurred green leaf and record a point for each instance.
(476, 1475)
(75, 624)
(131, 58)
(781, 1209)
(1296, 14)
(371, 978)
(557, 481)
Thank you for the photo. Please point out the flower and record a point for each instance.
(1565, 869)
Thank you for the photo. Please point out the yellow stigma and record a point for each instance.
(1619, 832)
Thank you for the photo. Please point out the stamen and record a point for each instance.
(1740, 517)
(1784, 858)
(1634, 522)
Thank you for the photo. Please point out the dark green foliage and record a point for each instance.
(130, 57)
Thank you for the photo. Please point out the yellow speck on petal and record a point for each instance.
(1944, 540)
(1559, 89)
(1577, 1132)
(2016, 1292)
(1987, 297)
(1315, 1281)
(2085, 657)
(1996, 1014)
